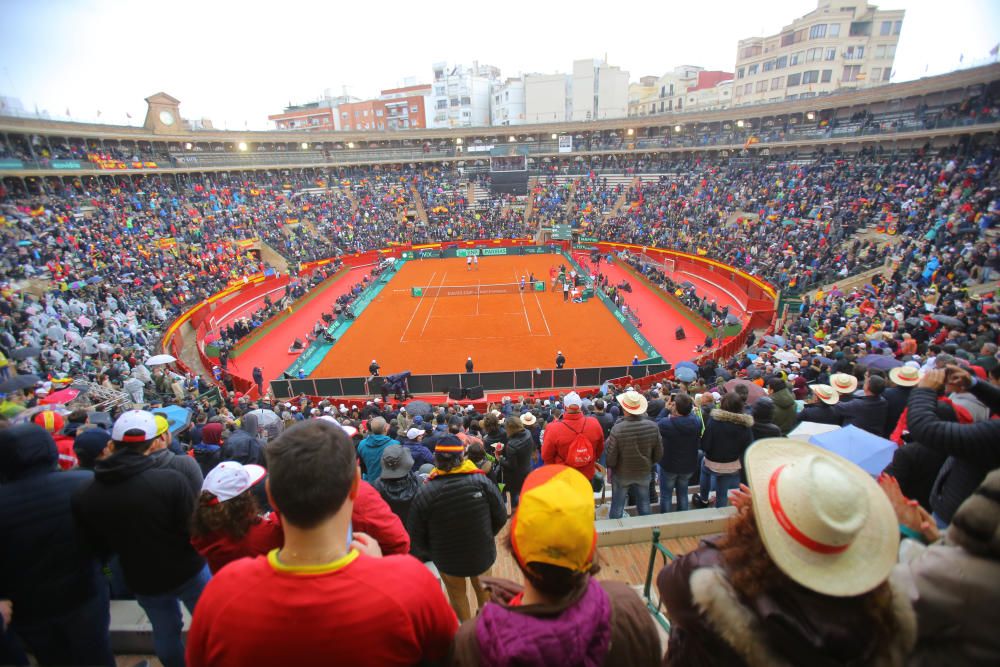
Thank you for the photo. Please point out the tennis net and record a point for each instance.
(475, 290)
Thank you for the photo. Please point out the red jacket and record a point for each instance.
(559, 435)
(372, 516)
(220, 549)
(67, 455)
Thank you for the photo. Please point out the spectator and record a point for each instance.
(228, 523)
(953, 583)
(291, 601)
(820, 408)
(398, 484)
(554, 544)
(809, 551)
(58, 596)
(576, 440)
(419, 455)
(92, 445)
(971, 448)
(370, 449)
(681, 437)
(634, 447)
(903, 380)
(142, 512)
(453, 521)
(869, 411)
(515, 459)
(727, 435)
(160, 452)
(763, 419)
(243, 445)
(784, 405)
(208, 453)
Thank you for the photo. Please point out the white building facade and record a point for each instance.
(835, 46)
(507, 107)
(461, 96)
(599, 91)
(547, 98)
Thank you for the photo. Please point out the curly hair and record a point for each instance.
(752, 573)
(232, 518)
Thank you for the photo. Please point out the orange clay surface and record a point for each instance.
(500, 332)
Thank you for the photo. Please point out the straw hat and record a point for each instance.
(826, 393)
(823, 520)
(633, 402)
(528, 419)
(905, 376)
(844, 383)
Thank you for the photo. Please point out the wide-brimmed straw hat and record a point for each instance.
(633, 402)
(844, 383)
(905, 376)
(826, 393)
(823, 520)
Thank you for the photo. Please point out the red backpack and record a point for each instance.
(581, 451)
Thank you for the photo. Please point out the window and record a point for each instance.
(850, 73)
(378, 112)
(897, 27)
(415, 108)
(817, 31)
(886, 73)
(854, 53)
(442, 104)
(831, 54)
(812, 76)
(890, 51)
(747, 89)
(861, 29)
(752, 70)
(343, 114)
(466, 101)
(796, 58)
(762, 86)
(788, 39)
(793, 80)
(876, 73)
(776, 82)
(814, 54)
(885, 28)
(768, 66)
(826, 76)
(880, 51)
(781, 63)
(834, 30)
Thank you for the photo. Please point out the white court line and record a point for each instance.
(540, 310)
(419, 301)
(478, 282)
(524, 308)
(433, 303)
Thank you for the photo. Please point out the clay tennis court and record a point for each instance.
(435, 334)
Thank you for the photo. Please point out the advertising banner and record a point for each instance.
(566, 143)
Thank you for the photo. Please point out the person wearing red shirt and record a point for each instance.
(560, 435)
(327, 596)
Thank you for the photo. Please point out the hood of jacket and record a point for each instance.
(121, 466)
(26, 449)
(243, 448)
(799, 627)
(578, 634)
(376, 441)
(783, 399)
(211, 433)
(720, 415)
(249, 425)
(401, 488)
(688, 424)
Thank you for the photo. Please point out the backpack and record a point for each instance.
(581, 451)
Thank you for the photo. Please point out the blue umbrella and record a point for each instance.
(868, 451)
(685, 374)
(178, 417)
(882, 362)
(776, 340)
(688, 364)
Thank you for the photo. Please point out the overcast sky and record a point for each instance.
(237, 61)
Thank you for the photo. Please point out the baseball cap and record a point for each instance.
(396, 462)
(230, 478)
(554, 521)
(349, 430)
(572, 400)
(134, 426)
(162, 424)
(414, 433)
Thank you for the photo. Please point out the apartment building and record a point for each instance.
(842, 44)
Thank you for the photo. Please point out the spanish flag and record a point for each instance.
(750, 142)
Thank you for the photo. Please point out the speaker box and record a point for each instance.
(679, 334)
(475, 393)
(455, 393)
(709, 342)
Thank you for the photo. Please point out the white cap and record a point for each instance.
(326, 409)
(134, 420)
(343, 410)
(414, 433)
(716, 396)
(402, 408)
(572, 399)
(229, 479)
(314, 411)
(349, 430)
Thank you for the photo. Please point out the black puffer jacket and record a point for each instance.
(454, 520)
(727, 435)
(516, 460)
(681, 437)
(972, 449)
(398, 494)
(142, 513)
(44, 565)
